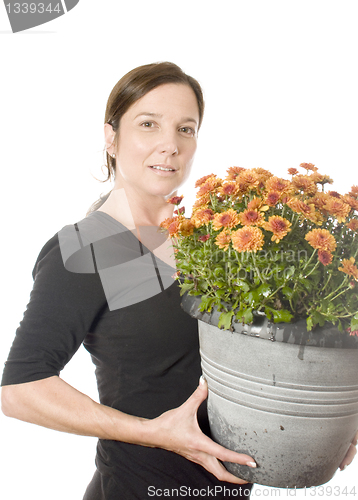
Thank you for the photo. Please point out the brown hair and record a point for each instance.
(130, 88)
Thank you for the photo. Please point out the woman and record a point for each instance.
(107, 282)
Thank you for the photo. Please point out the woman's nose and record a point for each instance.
(168, 145)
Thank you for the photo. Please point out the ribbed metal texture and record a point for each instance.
(293, 408)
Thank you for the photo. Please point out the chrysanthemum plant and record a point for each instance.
(257, 242)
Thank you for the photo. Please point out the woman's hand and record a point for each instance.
(352, 450)
(178, 431)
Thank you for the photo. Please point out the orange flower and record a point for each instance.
(172, 225)
(321, 178)
(209, 186)
(228, 188)
(202, 202)
(325, 257)
(292, 171)
(337, 208)
(349, 268)
(307, 210)
(202, 216)
(233, 172)
(180, 211)
(319, 201)
(204, 237)
(353, 225)
(225, 219)
(303, 183)
(250, 217)
(247, 180)
(175, 200)
(262, 174)
(334, 194)
(352, 202)
(354, 192)
(186, 227)
(201, 181)
(247, 239)
(272, 198)
(308, 166)
(223, 239)
(255, 203)
(321, 239)
(278, 226)
(279, 185)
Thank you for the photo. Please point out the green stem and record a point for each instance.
(338, 294)
(273, 293)
(325, 286)
(313, 269)
(257, 269)
(309, 260)
(340, 286)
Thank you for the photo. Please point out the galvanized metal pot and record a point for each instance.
(285, 396)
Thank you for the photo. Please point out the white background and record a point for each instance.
(280, 82)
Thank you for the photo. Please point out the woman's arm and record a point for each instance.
(53, 403)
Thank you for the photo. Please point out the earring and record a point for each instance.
(113, 155)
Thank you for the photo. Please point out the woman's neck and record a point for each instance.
(133, 211)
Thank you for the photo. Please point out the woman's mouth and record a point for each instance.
(163, 170)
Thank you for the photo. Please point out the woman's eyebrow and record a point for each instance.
(157, 115)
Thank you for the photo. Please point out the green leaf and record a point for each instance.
(309, 323)
(185, 287)
(225, 319)
(354, 322)
(206, 303)
(248, 316)
(245, 315)
(241, 285)
(279, 315)
(318, 318)
(287, 291)
(290, 271)
(264, 289)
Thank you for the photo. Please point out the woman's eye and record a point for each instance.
(187, 130)
(147, 124)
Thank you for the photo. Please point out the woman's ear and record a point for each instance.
(109, 136)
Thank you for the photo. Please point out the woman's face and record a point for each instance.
(157, 141)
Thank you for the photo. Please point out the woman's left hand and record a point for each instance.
(352, 450)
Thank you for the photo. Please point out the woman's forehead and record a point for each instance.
(170, 97)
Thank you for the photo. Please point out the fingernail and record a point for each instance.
(202, 380)
(344, 468)
(251, 464)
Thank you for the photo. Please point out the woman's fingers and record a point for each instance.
(212, 465)
(352, 451)
(206, 444)
(198, 396)
(209, 447)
